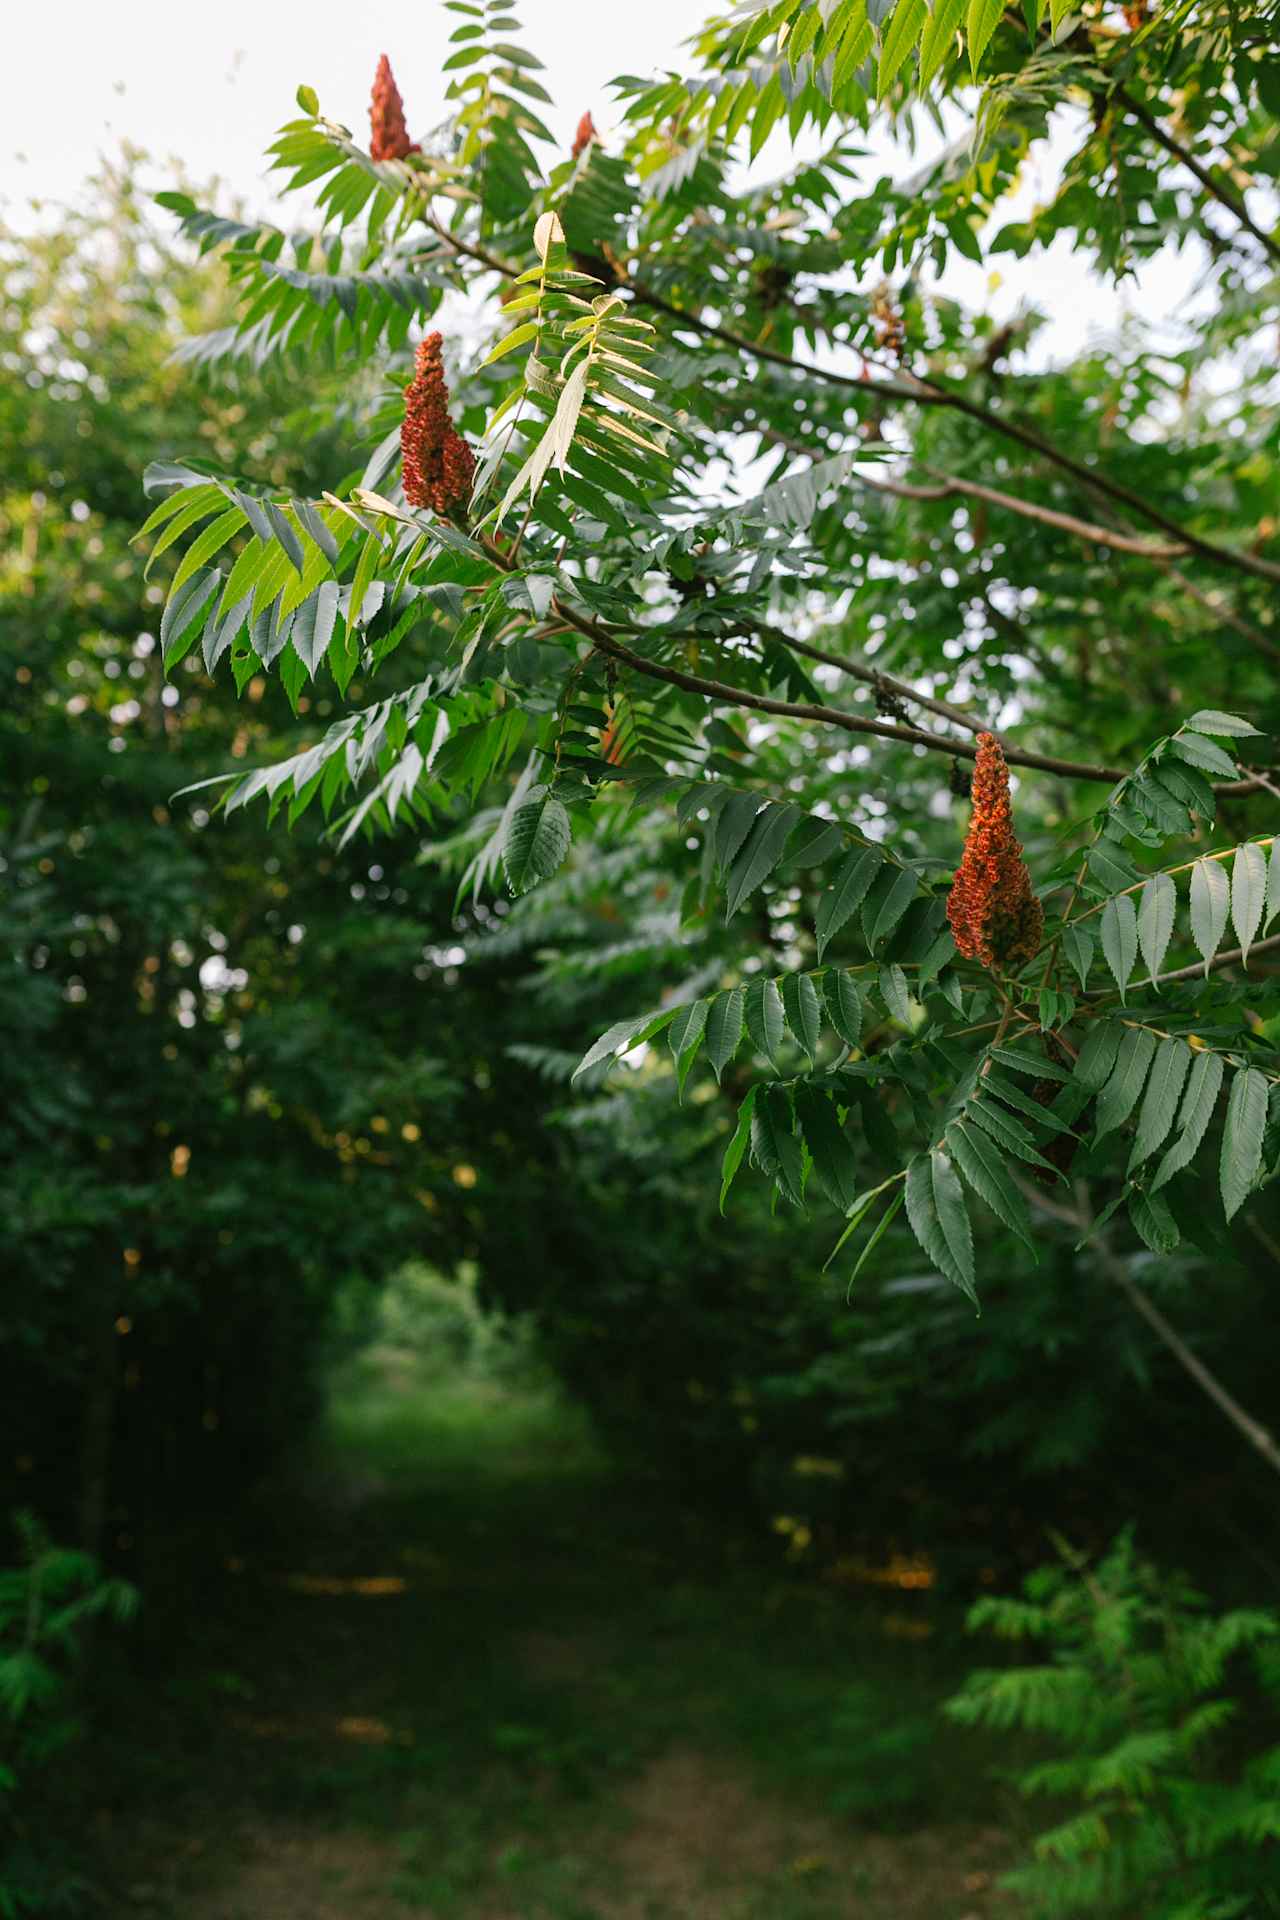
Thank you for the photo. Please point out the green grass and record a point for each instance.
(540, 1690)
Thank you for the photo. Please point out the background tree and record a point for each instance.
(202, 1147)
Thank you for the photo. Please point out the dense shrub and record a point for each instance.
(1160, 1717)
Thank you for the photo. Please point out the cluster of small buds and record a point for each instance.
(995, 917)
(389, 135)
(891, 334)
(439, 466)
(585, 135)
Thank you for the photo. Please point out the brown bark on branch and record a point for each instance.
(610, 643)
(1221, 192)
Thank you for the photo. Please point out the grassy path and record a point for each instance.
(464, 1672)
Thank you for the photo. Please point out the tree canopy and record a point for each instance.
(693, 594)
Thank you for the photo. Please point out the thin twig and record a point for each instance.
(934, 393)
(873, 677)
(925, 393)
(1081, 1220)
(949, 484)
(1197, 971)
(1228, 615)
(609, 643)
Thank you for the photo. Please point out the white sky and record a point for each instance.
(203, 90)
(210, 85)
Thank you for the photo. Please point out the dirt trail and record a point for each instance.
(492, 1698)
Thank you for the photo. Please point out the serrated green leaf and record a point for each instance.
(508, 344)
(1108, 870)
(761, 854)
(313, 625)
(1248, 893)
(845, 894)
(737, 1146)
(834, 1166)
(194, 503)
(537, 841)
(1157, 905)
(775, 1146)
(762, 1010)
(982, 21)
(624, 1035)
(208, 493)
(1013, 1095)
(1078, 948)
(270, 630)
(284, 530)
(939, 38)
(939, 1218)
(893, 991)
(724, 1029)
(1169, 1070)
(1209, 720)
(1055, 1009)
(1200, 752)
(1098, 1054)
(856, 1215)
(882, 1226)
(1127, 1078)
(250, 565)
(1198, 1101)
(981, 1165)
(684, 1037)
(803, 33)
(1120, 939)
(185, 612)
(893, 906)
(905, 25)
(803, 1010)
(1034, 1064)
(1242, 1136)
(843, 996)
(1210, 898)
(1009, 1134)
(209, 541)
(365, 566)
(1273, 881)
(1186, 786)
(877, 1123)
(1154, 1223)
(222, 628)
(734, 822)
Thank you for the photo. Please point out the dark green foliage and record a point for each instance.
(173, 1210)
(49, 1604)
(1160, 1718)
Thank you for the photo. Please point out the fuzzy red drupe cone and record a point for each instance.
(585, 135)
(439, 466)
(389, 136)
(994, 915)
